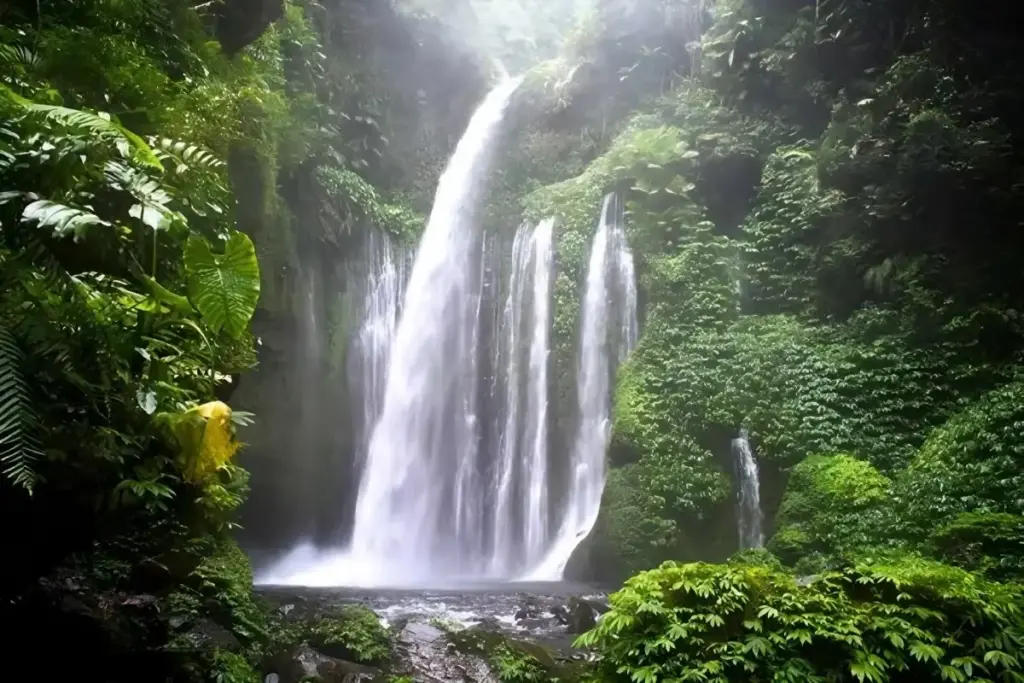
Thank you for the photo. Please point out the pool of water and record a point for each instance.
(489, 604)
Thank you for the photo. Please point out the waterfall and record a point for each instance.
(610, 289)
(456, 483)
(378, 280)
(749, 500)
(520, 481)
(416, 517)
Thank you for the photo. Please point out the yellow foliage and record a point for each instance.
(206, 439)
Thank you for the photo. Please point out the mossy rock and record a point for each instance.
(351, 632)
(515, 661)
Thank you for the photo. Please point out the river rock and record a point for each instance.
(529, 610)
(304, 662)
(582, 615)
(423, 652)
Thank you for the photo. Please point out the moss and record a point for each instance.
(990, 542)
(230, 667)
(831, 505)
(515, 661)
(351, 632)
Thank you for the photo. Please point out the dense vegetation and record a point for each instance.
(823, 201)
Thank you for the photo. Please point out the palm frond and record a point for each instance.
(18, 448)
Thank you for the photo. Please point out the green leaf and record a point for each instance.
(63, 219)
(224, 288)
(100, 125)
(18, 448)
(146, 400)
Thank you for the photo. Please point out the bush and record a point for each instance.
(973, 463)
(353, 633)
(880, 622)
(831, 506)
(989, 542)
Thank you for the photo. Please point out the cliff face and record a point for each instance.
(240, 22)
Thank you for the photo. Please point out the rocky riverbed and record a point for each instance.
(444, 635)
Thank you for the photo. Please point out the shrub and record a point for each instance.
(353, 633)
(830, 505)
(910, 620)
(972, 463)
(989, 542)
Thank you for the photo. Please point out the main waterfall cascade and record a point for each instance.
(456, 479)
(749, 515)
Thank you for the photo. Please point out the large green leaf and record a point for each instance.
(18, 449)
(224, 288)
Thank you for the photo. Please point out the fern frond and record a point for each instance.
(63, 219)
(99, 124)
(18, 448)
(150, 193)
(18, 54)
(185, 155)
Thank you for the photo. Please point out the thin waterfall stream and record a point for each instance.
(749, 515)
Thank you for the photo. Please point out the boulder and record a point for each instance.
(582, 615)
(304, 662)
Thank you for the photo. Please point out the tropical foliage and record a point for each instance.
(888, 621)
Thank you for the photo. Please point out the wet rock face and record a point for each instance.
(425, 653)
(240, 22)
(304, 663)
(581, 615)
(449, 636)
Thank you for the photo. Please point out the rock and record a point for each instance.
(417, 633)
(582, 615)
(560, 613)
(529, 611)
(489, 624)
(304, 662)
(539, 623)
(206, 633)
(425, 653)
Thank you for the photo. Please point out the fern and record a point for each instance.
(18, 449)
(14, 55)
(63, 219)
(99, 124)
(224, 288)
(185, 155)
(150, 193)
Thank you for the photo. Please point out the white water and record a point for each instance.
(379, 281)
(520, 480)
(420, 509)
(610, 288)
(749, 515)
(537, 399)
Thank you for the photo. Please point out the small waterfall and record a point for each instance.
(537, 399)
(610, 289)
(749, 500)
(378, 280)
(520, 481)
(413, 498)
(508, 360)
